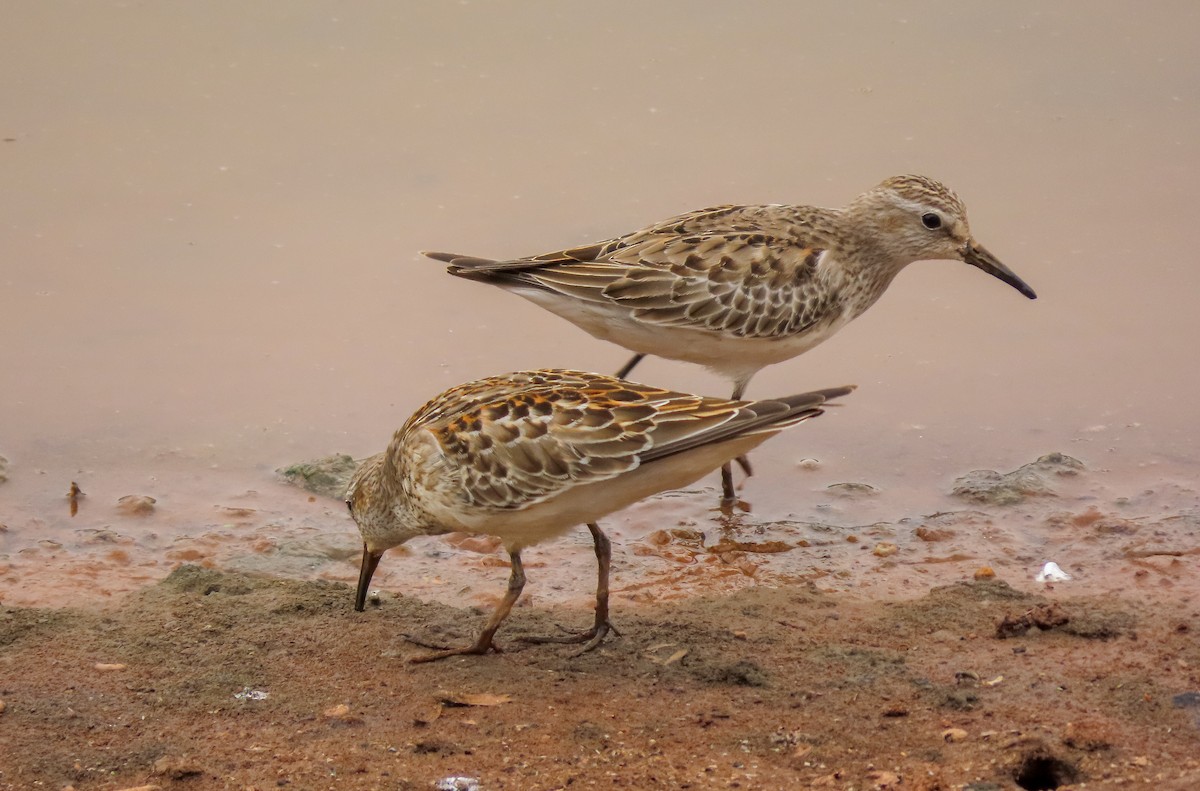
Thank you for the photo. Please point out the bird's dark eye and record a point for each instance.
(931, 221)
(350, 506)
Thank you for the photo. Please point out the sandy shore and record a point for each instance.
(230, 681)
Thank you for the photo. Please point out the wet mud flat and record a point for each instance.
(215, 679)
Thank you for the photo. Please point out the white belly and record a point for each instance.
(728, 355)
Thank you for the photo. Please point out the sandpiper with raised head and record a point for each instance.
(737, 288)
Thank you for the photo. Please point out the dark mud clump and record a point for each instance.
(988, 487)
(326, 477)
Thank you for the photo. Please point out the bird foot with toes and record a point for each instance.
(592, 637)
(478, 648)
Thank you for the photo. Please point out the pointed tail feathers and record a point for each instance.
(777, 414)
(474, 268)
(768, 417)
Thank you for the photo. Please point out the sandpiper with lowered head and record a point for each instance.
(527, 456)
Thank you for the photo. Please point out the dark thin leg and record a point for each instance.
(728, 495)
(625, 369)
(600, 627)
(516, 582)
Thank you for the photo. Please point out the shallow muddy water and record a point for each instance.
(209, 269)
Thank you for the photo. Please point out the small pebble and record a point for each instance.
(954, 735)
(852, 490)
(932, 534)
(1052, 573)
(984, 573)
(177, 768)
(1090, 735)
(339, 712)
(883, 549)
(659, 538)
(109, 666)
(136, 504)
(882, 780)
(457, 783)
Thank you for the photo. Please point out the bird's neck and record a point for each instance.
(392, 518)
(858, 267)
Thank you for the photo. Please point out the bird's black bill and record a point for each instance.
(369, 561)
(979, 257)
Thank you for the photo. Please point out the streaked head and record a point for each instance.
(367, 501)
(372, 501)
(920, 219)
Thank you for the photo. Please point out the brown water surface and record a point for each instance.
(209, 269)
